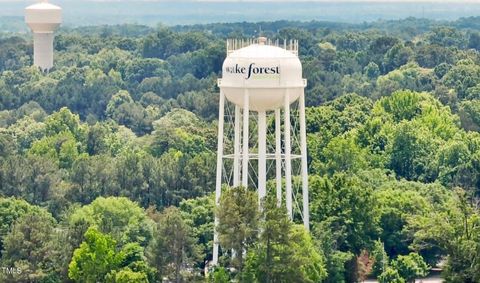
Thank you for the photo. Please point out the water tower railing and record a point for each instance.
(236, 44)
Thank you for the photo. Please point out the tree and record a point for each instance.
(181, 130)
(129, 174)
(26, 131)
(409, 76)
(90, 178)
(132, 266)
(412, 153)
(398, 201)
(32, 178)
(238, 216)
(61, 148)
(125, 111)
(447, 36)
(346, 206)
(94, 259)
(410, 266)
(372, 71)
(474, 40)
(198, 214)
(344, 155)
(453, 228)
(11, 209)
(159, 44)
(463, 76)
(329, 126)
(32, 246)
(402, 105)
(364, 265)
(173, 248)
(65, 121)
(284, 253)
(380, 258)
(119, 217)
(219, 275)
(126, 275)
(397, 56)
(117, 99)
(469, 113)
(390, 275)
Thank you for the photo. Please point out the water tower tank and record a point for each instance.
(266, 71)
(43, 18)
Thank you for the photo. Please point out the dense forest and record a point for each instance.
(107, 162)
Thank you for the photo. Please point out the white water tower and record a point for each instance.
(43, 18)
(262, 79)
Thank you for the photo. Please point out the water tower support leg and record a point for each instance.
(218, 186)
(288, 157)
(278, 156)
(303, 145)
(262, 155)
(246, 116)
(236, 142)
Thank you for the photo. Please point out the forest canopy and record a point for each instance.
(107, 162)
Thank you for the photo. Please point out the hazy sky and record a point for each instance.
(471, 1)
(379, 1)
(174, 12)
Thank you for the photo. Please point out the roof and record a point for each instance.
(43, 6)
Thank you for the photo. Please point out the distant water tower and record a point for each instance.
(260, 79)
(43, 18)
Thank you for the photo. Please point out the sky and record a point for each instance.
(176, 12)
(384, 1)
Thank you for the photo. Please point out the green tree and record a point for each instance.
(409, 76)
(173, 248)
(380, 257)
(32, 246)
(198, 213)
(90, 178)
(462, 77)
(11, 209)
(453, 228)
(132, 266)
(410, 266)
(285, 252)
(219, 275)
(345, 205)
(390, 275)
(117, 99)
(94, 259)
(32, 178)
(238, 216)
(344, 155)
(180, 130)
(65, 121)
(119, 217)
(126, 275)
(412, 153)
(62, 148)
(26, 131)
(398, 201)
(372, 70)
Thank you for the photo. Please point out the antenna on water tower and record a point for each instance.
(262, 78)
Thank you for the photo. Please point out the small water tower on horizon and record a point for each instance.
(43, 18)
(261, 82)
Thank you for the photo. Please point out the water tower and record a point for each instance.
(261, 81)
(43, 18)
